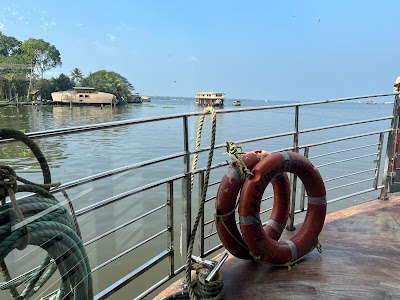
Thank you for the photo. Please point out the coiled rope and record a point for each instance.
(42, 221)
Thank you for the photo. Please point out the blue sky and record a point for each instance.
(280, 50)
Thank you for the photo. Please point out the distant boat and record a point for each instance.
(135, 99)
(237, 103)
(210, 99)
(370, 102)
(145, 98)
(84, 96)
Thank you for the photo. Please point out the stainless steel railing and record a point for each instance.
(188, 199)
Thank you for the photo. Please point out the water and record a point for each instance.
(78, 155)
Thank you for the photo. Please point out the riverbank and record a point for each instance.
(5, 103)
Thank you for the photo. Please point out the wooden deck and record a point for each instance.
(360, 259)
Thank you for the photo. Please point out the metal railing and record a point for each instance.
(186, 200)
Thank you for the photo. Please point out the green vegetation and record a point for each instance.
(23, 65)
(109, 82)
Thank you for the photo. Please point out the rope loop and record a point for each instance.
(7, 180)
(42, 221)
(8, 188)
(289, 265)
(236, 153)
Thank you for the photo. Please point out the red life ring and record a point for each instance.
(225, 204)
(261, 245)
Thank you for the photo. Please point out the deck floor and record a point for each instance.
(360, 259)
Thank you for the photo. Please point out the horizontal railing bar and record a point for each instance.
(209, 222)
(267, 198)
(102, 175)
(355, 194)
(345, 160)
(350, 174)
(132, 192)
(131, 276)
(267, 137)
(341, 151)
(153, 288)
(265, 210)
(214, 183)
(212, 250)
(344, 138)
(349, 184)
(160, 283)
(216, 166)
(107, 125)
(346, 197)
(210, 199)
(210, 235)
(124, 225)
(129, 250)
(345, 124)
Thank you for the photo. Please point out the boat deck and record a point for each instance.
(360, 259)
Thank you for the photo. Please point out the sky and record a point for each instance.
(260, 49)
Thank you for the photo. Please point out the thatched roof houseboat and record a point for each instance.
(83, 96)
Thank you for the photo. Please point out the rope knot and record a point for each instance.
(236, 153)
(7, 181)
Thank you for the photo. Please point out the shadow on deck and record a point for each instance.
(360, 259)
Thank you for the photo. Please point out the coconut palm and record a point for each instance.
(76, 76)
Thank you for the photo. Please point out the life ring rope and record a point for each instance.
(290, 263)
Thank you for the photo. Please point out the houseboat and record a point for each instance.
(145, 98)
(237, 103)
(83, 96)
(135, 98)
(210, 99)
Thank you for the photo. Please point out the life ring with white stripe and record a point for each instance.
(225, 205)
(264, 248)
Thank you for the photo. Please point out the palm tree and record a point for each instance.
(76, 76)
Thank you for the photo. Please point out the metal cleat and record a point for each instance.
(204, 262)
(217, 267)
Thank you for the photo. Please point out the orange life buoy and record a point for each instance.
(225, 205)
(260, 244)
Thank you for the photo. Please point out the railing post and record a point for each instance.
(390, 150)
(303, 190)
(293, 177)
(378, 159)
(186, 186)
(170, 225)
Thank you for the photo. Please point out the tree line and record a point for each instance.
(24, 63)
